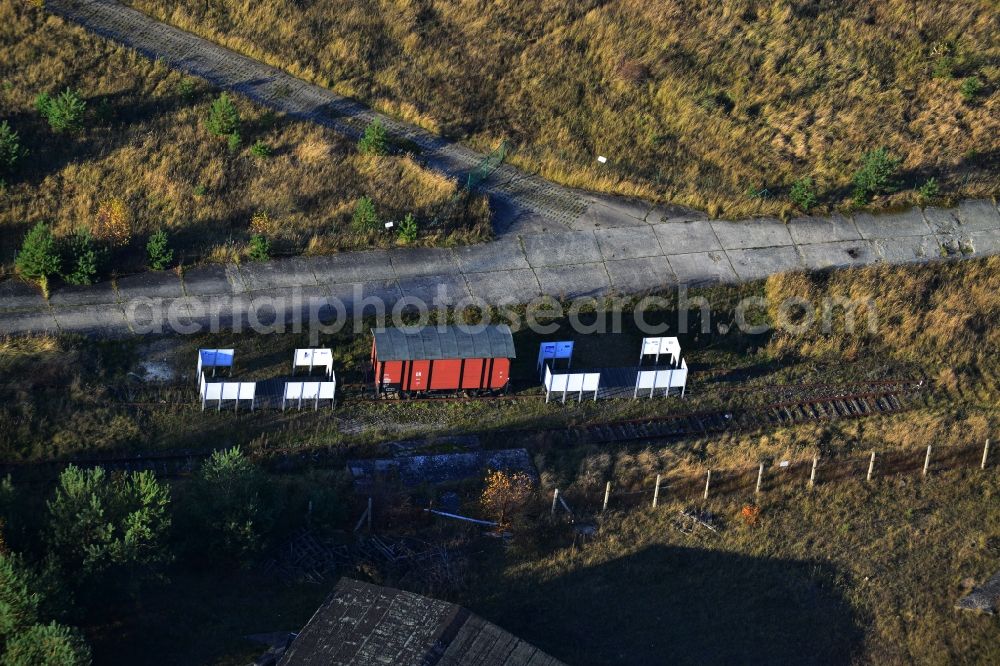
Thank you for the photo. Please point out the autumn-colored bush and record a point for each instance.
(504, 494)
(114, 222)
(750, 514)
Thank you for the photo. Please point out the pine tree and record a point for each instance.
(408, 229)
(223, 117)
(18, 604)
(232, 506)
(158, 250)
(64, 112)
(39, 257)
(47, 645)
(374, 141)
(875, 176)
(365, 218)
(98, 523)
(10, 148)
(81, 258)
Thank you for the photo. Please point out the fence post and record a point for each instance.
(986, 453)
(369, 515)
(760, 479)
(812, 474)
(656, 492)
(607, 496)
(927, 460)
(555, 500)
(871, 466)
(708, 481)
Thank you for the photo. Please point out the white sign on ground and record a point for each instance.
(312, 391)
(666, 378)
(313, 358)
(215, 358)
(220, 391)
(571, 382)
(657, 346)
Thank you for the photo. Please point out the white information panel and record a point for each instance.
(679, 377)
(571, 382)
(311, 391)
(666, 379)
(313, 358)
(554, 350)
(658, 346)
(235, 391)
(212, 392)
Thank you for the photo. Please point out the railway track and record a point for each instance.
(891, 399)
(182, 396)
(883, 398)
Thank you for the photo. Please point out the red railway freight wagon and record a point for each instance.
(419, 360)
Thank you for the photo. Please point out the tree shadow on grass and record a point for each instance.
(671, 605)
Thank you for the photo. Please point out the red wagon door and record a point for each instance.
(472, 373)
(501, 373)
(419, 374)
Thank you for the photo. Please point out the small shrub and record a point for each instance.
(200, 190)
(261, 223)
(944, 67)
(408, 229)
(260, 150)
(10, 148)
(234, 141)
(223, 117)
(114, 223)
(374, 141)
(158, 250)
(803, 193)
(80, 258)
(928, 190)
(750, 514)
(232, 507)
(47, 645)
(875, 176)
(970, 88)
(18, 602)
(39, 257)
(505, 494)
(104, 113)
(42, 103)
(64, 112)
(365, 218)
(186, 87)
(754, 192)
(259, 248)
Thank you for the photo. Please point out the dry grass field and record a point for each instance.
(694, 102)
(852, 573)
(145, 144)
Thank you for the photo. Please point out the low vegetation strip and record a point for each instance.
(741, 484)
(734, 107)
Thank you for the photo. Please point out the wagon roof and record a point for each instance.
(407, 344)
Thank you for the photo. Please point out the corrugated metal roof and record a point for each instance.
(361, 623)
(432, 342)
